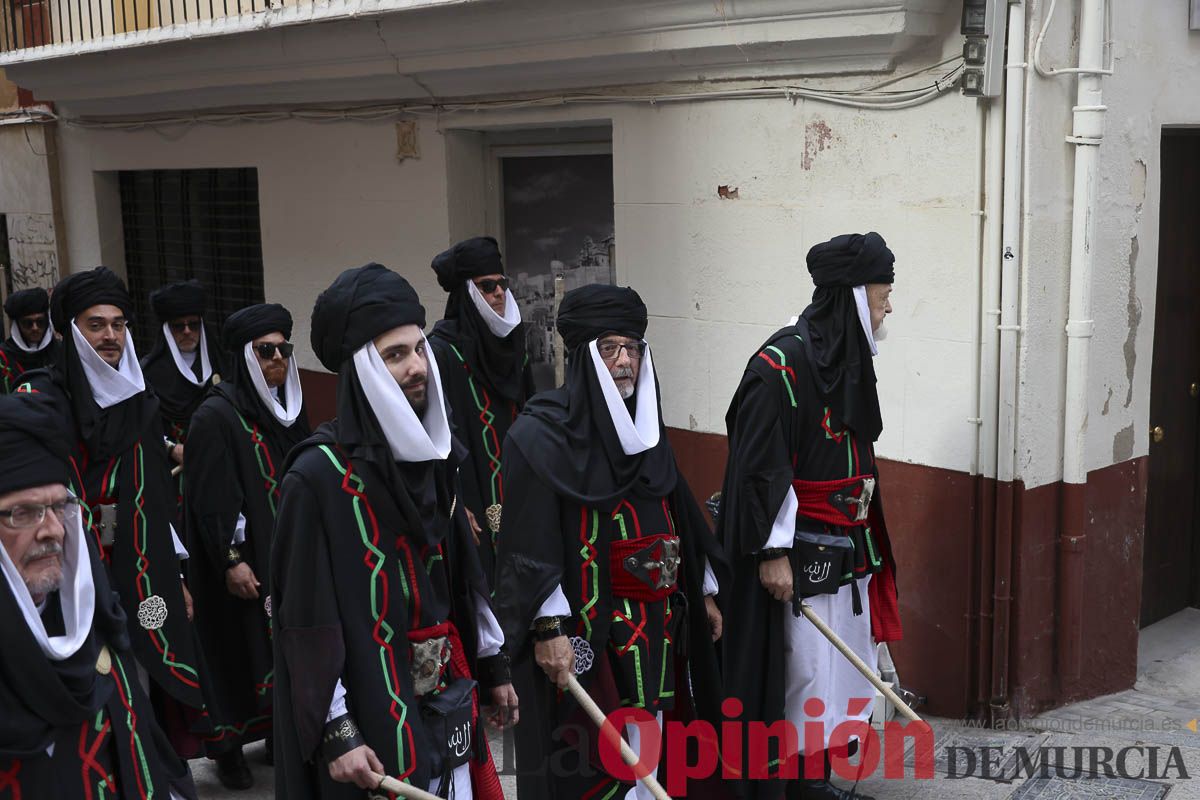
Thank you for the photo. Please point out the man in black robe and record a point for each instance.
(593, 500)
(119, 472)
(381, 612)
(30, 344)
(243, 432)
(480, 350)
(185, 362)
(74, 722)
(802, 428)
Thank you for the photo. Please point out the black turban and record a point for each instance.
(177, 300)
(26, 302)
(33, 447)
(249, 323)
(850, 260)
(467, 259)
(80, 291)
(359, 305)
(591, 311)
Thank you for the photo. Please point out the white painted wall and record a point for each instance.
(1157, 61)
(28, 203)
(718, 275)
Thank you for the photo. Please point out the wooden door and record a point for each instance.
(1169, 578)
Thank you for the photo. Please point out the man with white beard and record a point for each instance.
(75, 722)
(801, 515)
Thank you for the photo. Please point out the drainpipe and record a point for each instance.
(988, 413)
(1086, 135)
(1006, 417)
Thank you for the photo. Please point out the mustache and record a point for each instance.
(42, 551)
(415, 383)
(623, 372)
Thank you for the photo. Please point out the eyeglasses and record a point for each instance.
(610, 351)
(186, 325)
(267, 349)
(488, 285)
(30, 515)
(32, 323)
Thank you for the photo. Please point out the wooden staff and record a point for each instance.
(402, 789)
(858, 663)
(631, 758)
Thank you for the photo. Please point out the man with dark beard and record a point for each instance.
(119, 472)
(185, 362)
(606, 566)
(480, 350)
(800, 503)
(381, 612)
(30, 344)
(242, 434)
(74, 722)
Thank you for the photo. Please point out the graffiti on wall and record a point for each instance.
(32, 250)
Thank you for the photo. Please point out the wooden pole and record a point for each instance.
(403, 789)
(858, 663)
(606, 728)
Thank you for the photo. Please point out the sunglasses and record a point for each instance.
(32, 323)
(267, 349)
(488, 286)
(186, 325)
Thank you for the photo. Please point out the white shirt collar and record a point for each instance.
(640, 432)
(498, 325)
(15, 332)
(109, 386)
(77, 595)
(410, 439)
(291, 386)
(182, 364)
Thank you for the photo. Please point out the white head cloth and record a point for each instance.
(14, 331)
(184, 368)
(293, 392)
(498, 325)
(640, 432)
(110, 386)
(77, 594)
(411, 439)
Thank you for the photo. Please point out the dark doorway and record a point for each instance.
(1172, 546)
(191, 223)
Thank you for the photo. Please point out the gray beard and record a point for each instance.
(626, 391)
(880, 333)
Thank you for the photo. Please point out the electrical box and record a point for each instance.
(984, 25)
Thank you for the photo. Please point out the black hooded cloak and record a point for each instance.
(88, 706)
(367, 552)
(571, 493)
(15, 361)
(486, 379)
(790, 419)
(118, 458)
(235, 466)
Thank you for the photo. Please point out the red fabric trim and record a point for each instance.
(485, 783)
(884, 600)
(812, 498)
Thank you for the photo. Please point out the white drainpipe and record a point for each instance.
(1086, 135)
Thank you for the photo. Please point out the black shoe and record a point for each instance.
(233, 771)
(270, 751)
(824, 790)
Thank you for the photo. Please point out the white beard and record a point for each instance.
(880, 333)
(626, 391)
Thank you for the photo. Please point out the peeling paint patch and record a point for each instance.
(1123, 444)
(726, 192)
(817, 137)
(1107, 402)
(1134, 315)
(692, 423)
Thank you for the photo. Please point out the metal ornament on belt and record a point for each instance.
(643, 562)
(861, 505)
(492, 513)
(428, 659)
(152, 612)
